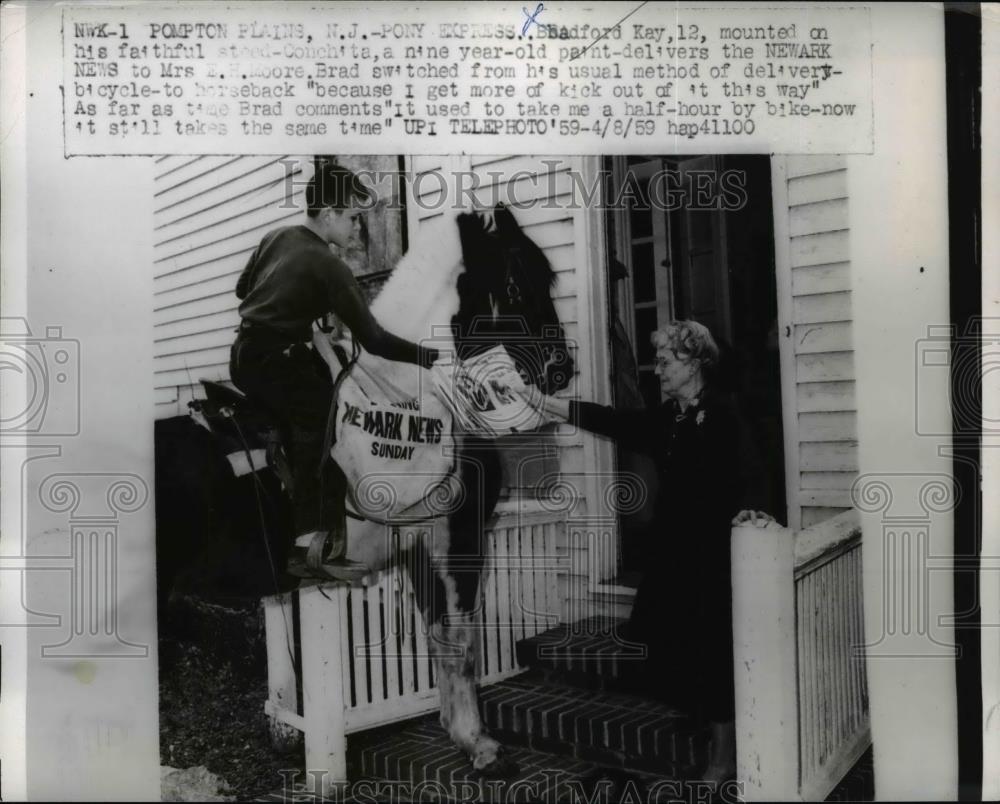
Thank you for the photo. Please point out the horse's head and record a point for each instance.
(505, 297)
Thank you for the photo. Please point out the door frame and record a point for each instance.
(786, 351)
(623, 246)
(600, 289)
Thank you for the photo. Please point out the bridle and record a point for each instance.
(509, 291)
(513, 289)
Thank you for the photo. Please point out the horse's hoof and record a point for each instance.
(501, 766)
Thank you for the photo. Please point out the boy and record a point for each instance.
(292, 279)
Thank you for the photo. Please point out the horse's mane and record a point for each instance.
(430, 291)
(417, 303)
(421, 296)
(538, 270)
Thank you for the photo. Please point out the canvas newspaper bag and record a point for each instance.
(393, 437)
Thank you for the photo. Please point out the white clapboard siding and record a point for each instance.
(827, 278)
(208, 267)
(219, 337)
(832, 426)
(834, 336)
(209, 214)
(224, 281)
(179, 170)
(230, 230)
(253, 188)
(827, 481)
(819, 308)
(174, 329)
(432, 188)
(204, 270)
(813, 255)
(218, 186)
(204, 306)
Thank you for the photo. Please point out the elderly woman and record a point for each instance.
(683, 608)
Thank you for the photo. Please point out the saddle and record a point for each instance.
(247, 431)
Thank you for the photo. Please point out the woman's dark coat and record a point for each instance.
(683, 608)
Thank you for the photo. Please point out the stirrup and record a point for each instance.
(313, 563)
(316, 552)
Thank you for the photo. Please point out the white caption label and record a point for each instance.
(286, 79)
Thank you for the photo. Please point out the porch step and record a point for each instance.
(417, 761)
(611, 729)
(590, 653)
(566, 722)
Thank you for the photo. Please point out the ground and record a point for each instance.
(213, 684)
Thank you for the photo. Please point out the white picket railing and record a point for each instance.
(801, 688)
(364, 654)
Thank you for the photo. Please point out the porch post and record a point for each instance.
(592, 351)
(764, 663)
(899, 297)
(321, 616)
(281, 681)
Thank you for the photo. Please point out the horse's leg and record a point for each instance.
(431, 595)
(455, 663)
(432, 601)
(446, 569)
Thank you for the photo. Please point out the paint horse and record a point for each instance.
(468, 283)
(483, 282)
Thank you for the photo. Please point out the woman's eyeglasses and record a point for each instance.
(663, 362)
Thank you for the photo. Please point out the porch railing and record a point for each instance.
(801, 688)
(364, 654)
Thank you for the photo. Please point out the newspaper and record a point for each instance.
(484, 394)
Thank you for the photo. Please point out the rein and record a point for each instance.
(330, 436)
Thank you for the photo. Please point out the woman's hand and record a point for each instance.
(550, 407)
(758, 519)
(531, 395)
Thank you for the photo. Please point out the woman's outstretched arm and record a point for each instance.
(349, 305)
(635, 428)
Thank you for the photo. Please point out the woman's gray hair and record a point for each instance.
(687, 340)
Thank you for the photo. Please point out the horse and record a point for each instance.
(470, 281)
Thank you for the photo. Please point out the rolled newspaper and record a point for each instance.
(482, 394)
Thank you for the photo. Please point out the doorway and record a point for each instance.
(693, 238)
